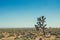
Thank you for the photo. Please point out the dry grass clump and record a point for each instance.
(51, 37)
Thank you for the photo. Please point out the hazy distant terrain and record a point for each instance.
(57, 30)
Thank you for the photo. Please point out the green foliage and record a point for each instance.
(1, 36)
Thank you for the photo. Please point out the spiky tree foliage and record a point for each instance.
(40, 24)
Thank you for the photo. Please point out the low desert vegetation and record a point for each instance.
(28, 34)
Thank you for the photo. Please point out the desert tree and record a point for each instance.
(41, 24)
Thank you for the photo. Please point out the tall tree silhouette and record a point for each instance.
(40, 24)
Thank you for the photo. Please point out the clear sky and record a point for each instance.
(24, 13)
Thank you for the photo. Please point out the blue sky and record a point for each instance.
(24, 13)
